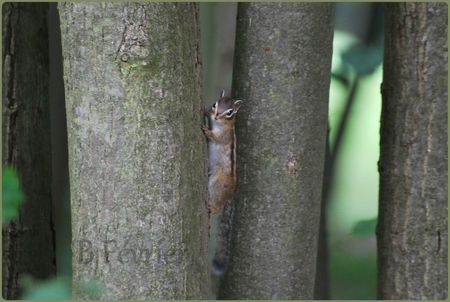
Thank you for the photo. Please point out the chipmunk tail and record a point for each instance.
(223, 245)
(218, 268)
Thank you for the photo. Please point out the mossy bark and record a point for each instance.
(28, 241)
(412, 228)
(282, 72)
(137, 157)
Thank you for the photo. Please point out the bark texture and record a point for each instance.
(28, 241)
(412, 230)
(137, 157)
(282, 72)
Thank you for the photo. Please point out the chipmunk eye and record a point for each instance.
(213, 106)
(230, 112)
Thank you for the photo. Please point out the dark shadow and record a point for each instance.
(60, 169)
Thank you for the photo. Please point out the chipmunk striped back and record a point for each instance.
(222, 178)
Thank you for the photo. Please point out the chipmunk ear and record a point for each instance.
(222, 93)
(237, 105)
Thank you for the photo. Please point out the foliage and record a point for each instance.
(58, 288)
(53, 289)
(353, 195)
(364, 59)
(353, 275)
(12, 194)
(365, 227)
(351, 56)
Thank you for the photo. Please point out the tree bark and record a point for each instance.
(60, 162)
(412, 229)
(282, 72)
(28, 241)
(137, 157)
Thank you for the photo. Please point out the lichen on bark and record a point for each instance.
(137, 155)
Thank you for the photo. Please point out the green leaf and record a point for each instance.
(351, 55)
(12, 194)
(365, 227)
(364, 58)
(53, 289)
(342, 43)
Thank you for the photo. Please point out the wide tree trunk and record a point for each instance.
(282, 72)
(412, 228)
(28, 241)
(137, 156)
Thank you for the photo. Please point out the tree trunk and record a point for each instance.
(412, 229)
(282, 72)
(321, 285)
(60, 162)
(28, 241)
(137, 156)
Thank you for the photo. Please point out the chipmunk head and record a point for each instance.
(224, 110)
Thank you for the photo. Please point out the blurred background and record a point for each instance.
(348, 258)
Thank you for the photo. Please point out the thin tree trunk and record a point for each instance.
(322, 286)
(28, 241)
(60, 165)
(282, 72)
(137, 156)
(412, 229)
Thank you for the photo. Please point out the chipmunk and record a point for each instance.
(221, 152)
(221, 174)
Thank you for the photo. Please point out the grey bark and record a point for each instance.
(282, 72)
(28, 241)
(137, 157)
(412, 229)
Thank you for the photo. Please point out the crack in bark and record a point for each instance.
(438, 242)
(421, 37)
